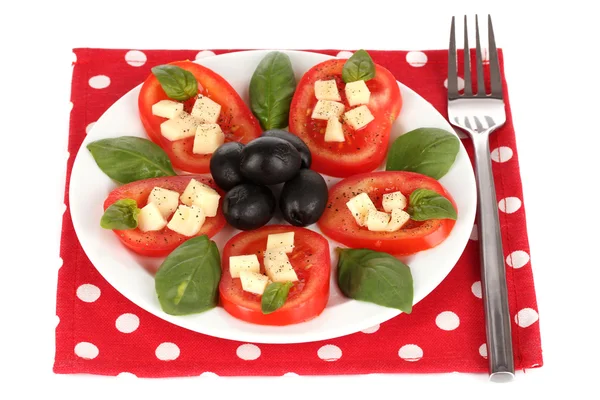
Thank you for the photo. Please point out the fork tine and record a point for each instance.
(479, 61)
(467, 55)
(452, 74)
(496, 81)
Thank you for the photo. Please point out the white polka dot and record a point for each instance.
(329, 352)
(208, 374)
(410, 352)
(126, 375)
(476, 289)
(248, 352)
(64, 208)
(89, 127)
(60, 262)
(372, 329)
(204, 54)
(57, 318)
(135, 58)
(526, 317)
(416, 58)
(447, 321)
(517, 259)
(460, 83)
(502, 154)
(474, 233)
(88, 293)
(127, 323)
(290, 374)
(344, 54)
(86, 350)
(167, 351)
(99, 81)
(509, 205)
(483, 350)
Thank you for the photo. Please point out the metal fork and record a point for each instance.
(479, 114)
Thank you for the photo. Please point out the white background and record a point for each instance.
(552, 67)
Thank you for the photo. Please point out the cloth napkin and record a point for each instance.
(102, 332)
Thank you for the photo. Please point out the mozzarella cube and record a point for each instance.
(203, 196)
(377, 221)
(166, 200)
(325, 109)
(247, 263)
(187, 221)
(398, 219)
(276, 252)
(327, 90)
(283, 241)
(208, 138)
(206, 110)
(357, 93)
(360, 206)
(358, 117)
(334, 131)
(394, 200)
(279, 269)
(167, 108)
(150, 218)
(181, 126)
(254, 282)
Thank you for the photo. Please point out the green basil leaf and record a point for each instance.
(274, 296)
(424, 204)
(272, 87)
(359, 67)
(127, 159)
(177, 83)
(375, 277)
(428, 151)
(121, 215)
(188, 280)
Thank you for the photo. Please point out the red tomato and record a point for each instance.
(236, 120)
(365, 149)
(160, 243)
(306, 299)
(338, 223)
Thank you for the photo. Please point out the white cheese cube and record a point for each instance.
(397, 220)
(360, 206)
(283, 241)
(279, 269)
(394, 200)
(150, 218)
(201, 195)
(357, 93)
(181, 126)
(166, 200)
(334, 131)
(327, 90)
(206, 110)
(247, 263)
(254, 282)
(187, 221)
(325, 109)
(377, 221)
(208, 138)
(275, 253)
(167, 108)
(358, 117)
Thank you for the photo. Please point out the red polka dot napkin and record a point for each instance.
(102, 332)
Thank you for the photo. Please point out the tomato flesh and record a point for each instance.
(160, 243)
(364, 149)
(338, 223)
(307, 297)
(236, 120)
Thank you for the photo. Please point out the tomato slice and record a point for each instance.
(338, 223)
(306, 299)
(365, 149)
(236, 120)
(160, 243)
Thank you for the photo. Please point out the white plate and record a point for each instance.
(128, 273)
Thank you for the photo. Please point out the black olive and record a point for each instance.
(225, 165)
(303, 199)
(248, 206)
(269, 161)
(295, 141)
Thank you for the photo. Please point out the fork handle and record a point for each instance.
(493, 273)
